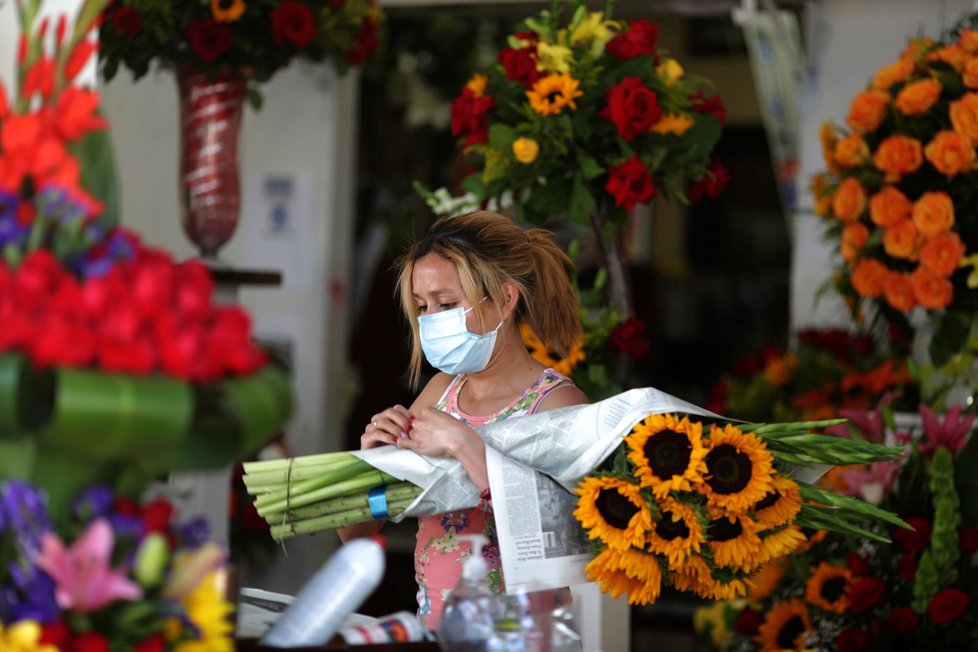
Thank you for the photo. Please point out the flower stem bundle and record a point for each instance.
(309, 494)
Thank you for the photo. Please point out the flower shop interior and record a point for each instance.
(810, 255)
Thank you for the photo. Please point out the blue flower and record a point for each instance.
(27, 514)
(93, 502)
(195, 533)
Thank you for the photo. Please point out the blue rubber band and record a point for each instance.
(377, 501)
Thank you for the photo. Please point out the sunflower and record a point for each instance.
(785, 627)
(552, 93)
(542, 354)
(614, 511)
(780, 505)
(738, 469)
(227, 11)
(765, 580)
(677, 534)
(695, 575)
(207, 612)
(734, 541)
(811, 538)
(667, 453)
(630, 571)
(780, 542)
(828, 587)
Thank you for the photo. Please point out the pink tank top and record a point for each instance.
(438, 553)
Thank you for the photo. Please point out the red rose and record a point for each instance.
(857, 563)
(903, 620)
(89, 642)
(968, 540)
(366, 43)
(181, 351)
(627, 338)
(907, 567)
(136, 356)
(151, 644)
(151, 283)
(630, 183)
(520, 65)
(638, 40)
(39, 276)
(914, 540)
(852, 639)
(56, 633)
(865, 593)
(748, 621)
(61, 340)
(156, 516)
(711, 184)
(209, 39)
(127, 20)
(632, 107)
(193, 287)
(293, 22)
(712, 105)
(469, 117)
(948, 605)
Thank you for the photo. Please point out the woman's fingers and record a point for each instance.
(395, 421)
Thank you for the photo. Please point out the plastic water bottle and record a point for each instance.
(332, 594)
(467, 621)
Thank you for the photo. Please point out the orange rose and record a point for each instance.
(896, 72)
(953, 55)
(898, 291)
(950, 153)
(902, 240)
(933, 213)
(917, 47)
(942, 254)
(916, 97)
(822, 194)
(854, 237)
(868, 277)
(852, 151)
(849, 200)
(889, 206)
(827, 137)
(867, 111)
(970, 73)
(930, 290)
(964, 116)
(898, 155)
(968, 40)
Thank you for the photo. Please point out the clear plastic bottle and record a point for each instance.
(471, 608)
(332, 594)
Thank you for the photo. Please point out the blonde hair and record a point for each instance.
(490, 250)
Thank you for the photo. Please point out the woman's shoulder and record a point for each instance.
(433, 391)
(558, 391)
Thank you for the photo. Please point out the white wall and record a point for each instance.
(848, 41)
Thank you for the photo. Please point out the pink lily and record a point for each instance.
(869, 423)
(84, 582)
(870, 483)
(950, 434)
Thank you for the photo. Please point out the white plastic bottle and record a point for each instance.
(333, 593)
(467, 621)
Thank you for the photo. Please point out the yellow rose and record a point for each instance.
(672, 123)
(477, 85)
(526, 150)
(670, 71)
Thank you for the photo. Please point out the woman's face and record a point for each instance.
(436, 287)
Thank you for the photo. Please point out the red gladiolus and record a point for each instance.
(293, 22)
(903, 620)
(76, 113)
(632, 107)
(865, 593)
(712, 184)
(209, 39)
(748, 621)
(852, 639)
(948, 605)
(630, 183)
(39, 78)
(638, 40)
(712, 105)
(79, 57)
(127, 20)
(520, 65)
(914, 540)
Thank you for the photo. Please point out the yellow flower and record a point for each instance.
(227, 11)
(614, 511)
(677, 534)
(739, 469)
(734, 541)
(712, 622)
(828, 587)
(23, 636)
(695, 575)
(553, 58)
(208, 612)
(971, 261)
(765, 580)
(668, 453)
(670, 71)
(629, 571)
(785, 626)
(594, 29)
(780, 505)
(526, 150)
(552, 93)
(780, 543)
(477, 85)
(542, 354)
(673, 123)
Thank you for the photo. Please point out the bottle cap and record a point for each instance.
(475, 568)
(380, 539)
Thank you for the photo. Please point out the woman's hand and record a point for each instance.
(437, 434)
(386, 427)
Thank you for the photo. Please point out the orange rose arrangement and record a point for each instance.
(898, 191)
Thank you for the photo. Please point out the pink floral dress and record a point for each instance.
(438, 554)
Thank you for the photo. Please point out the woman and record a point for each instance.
(466, 288)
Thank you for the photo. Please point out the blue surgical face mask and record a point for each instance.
(450, 347)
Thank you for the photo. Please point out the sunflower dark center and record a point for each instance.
(769, 499)
(833, 588)
(669, 529)
(723, 529)
(729, 469)
(226, 4)
(553, 96)
(615, 509)
(789, 632)
(668, 453)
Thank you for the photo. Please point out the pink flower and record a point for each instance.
(872, 483)
(949, 434)
(84, 582)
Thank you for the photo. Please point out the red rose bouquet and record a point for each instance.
(260, 35)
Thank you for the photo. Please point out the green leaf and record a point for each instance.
(255, 99)
(551, 198)
(950, 338)
(501, 137)
(473, 183)
(94, 152)
(581, 202)
(590, 168)
(636, 67)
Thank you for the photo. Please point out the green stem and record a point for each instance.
(395, 493)
(333, 521)
(343, 488)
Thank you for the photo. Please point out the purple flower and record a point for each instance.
(27, 514)
(195, 533)
(12, 232)
(93, 502)
(55, 203)
(35, 602)
(456, 521)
